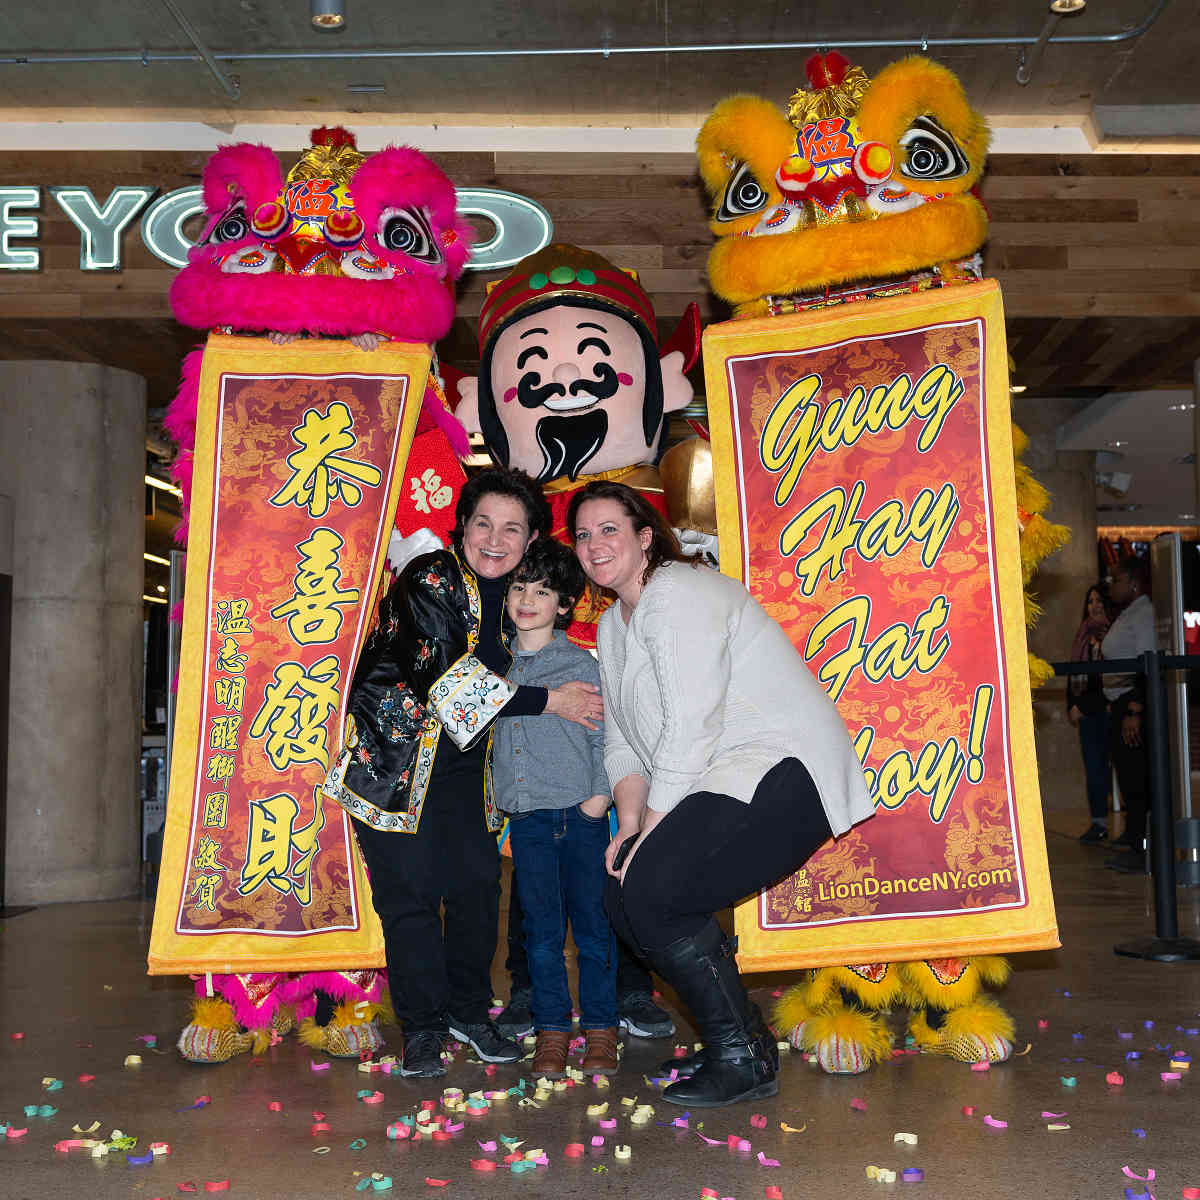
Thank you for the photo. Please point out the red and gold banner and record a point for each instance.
(299, 463)
(865, 496)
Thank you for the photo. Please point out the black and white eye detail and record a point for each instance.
(743, 195)
(408, 231)
(232, 227)
(930, 152)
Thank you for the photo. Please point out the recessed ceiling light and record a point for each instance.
(1017, 388)
(1117, 444)
(1064, 8)
(328, 14)
(161, 588)
(1186, 516)
(1186, 407)
(366, 87)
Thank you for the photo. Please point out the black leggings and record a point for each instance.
(711, 851)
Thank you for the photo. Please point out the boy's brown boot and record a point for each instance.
(600, 1056)
(550, 1054)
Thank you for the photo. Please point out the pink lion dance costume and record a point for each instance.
(347, 246)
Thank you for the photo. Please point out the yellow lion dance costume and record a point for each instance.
(864, 189)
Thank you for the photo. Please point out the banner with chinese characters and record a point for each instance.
(300, 461)
(865, 496)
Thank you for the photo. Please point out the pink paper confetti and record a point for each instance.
(981, 1066)
(1147, 1178)
(87, 1078)
(1115, 1078)
(608, 1123)
(318, 1116)
(597, 1139)
(773, 1193)
(15, 1133)
(373, 1098)
(319, 1066)
(16, 1037)
(858, 1104)
(1043, 1024)
(709, 1141)
(758, 1121)
(275, 1106)
(968, 1110)
(574, 1149)
(437, 1182)
(1049, 1116)
(995, 1124)
(680, 1122)
(482, 1164)
(767, 1162)
(487, 1147)
(1170, 1076)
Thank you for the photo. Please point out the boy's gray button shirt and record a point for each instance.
(547, 761)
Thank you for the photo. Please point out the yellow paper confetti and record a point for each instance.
(597, 1110)
(792, 1128)
(909, 1139)
(623, 1153)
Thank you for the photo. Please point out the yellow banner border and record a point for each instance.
(1032, 926)
(172, 953)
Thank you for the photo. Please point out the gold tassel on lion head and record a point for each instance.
(862, 179)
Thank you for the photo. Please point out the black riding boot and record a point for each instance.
(685, 1068)
(735, 1065)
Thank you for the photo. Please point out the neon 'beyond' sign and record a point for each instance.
(521, 225)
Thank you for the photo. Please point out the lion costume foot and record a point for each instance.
(977, 1032)
(213, 1035)
(352, 1031)
(835, 1014)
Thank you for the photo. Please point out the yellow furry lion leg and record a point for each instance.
(952, 1015)
(352, 1031)
(212, 1035)
(835, 1014)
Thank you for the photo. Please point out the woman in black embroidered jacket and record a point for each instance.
(426, 690)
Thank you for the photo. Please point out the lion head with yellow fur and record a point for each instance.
(860, 180)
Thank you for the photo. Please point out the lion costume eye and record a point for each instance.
(743, 195)
(931, 152)
(407, 231)
(232, 227)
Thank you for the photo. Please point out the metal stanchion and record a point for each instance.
(1166, 945)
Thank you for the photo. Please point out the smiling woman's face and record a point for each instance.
(496, 535)
(611, 552)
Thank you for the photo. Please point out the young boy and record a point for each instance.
(548, 775)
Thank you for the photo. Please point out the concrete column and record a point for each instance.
(72, 456)
(1060, 585)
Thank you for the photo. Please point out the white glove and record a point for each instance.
(402, 550)
(694, 543)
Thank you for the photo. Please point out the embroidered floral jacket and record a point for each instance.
(417, 680)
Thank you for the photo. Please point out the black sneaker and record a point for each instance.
(486, 1040)
(423, 1054)
(1128, 863)
(516, 1021)
(1094, 836)
(641, 1017)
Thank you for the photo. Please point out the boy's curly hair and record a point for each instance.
(551, 561)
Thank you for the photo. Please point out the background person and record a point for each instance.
(1130, 635)
(730, 766)
(1087, 710)
(427, 688)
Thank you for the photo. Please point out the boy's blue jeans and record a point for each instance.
(558, 861)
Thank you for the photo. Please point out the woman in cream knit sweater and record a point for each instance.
(729, 767)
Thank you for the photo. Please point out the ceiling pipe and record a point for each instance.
(232, 87)
(1026, 66)
(146, 57)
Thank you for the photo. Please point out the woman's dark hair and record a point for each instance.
(1098, 588)
(502, 481)
(552, 562)
(664, 545)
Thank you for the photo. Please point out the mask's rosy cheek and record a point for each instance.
(624, 378)
(510, 395)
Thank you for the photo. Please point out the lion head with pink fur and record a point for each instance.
(345, 244)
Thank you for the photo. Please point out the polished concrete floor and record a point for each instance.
(73, 984)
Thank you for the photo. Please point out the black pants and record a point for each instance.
(451, 859)
(632, 976)
(1133, 772)
(711, 851)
